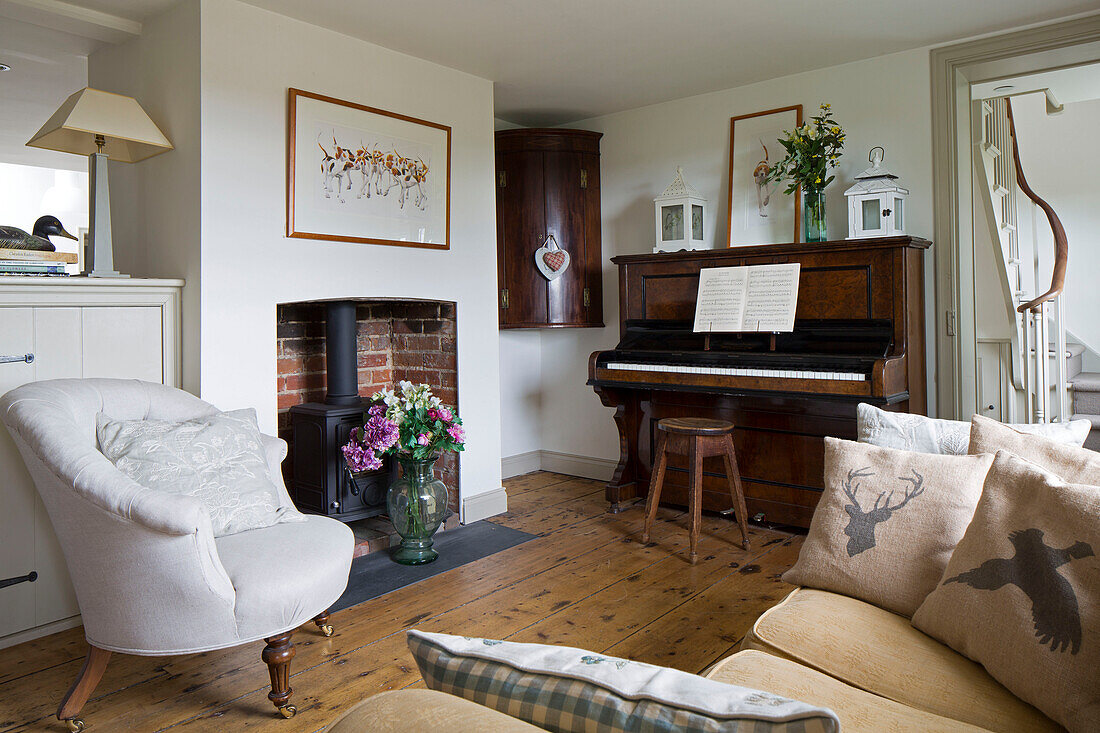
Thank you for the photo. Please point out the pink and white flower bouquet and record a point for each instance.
(409, 423)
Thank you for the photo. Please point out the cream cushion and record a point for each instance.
(859, 711)
(1070, 463)
(400, 711)
(879, 652)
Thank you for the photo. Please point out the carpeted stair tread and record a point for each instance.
(1086, 382)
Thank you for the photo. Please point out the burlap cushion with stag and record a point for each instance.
(1021, 594)
(887, 522)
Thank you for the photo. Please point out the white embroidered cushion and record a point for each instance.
(574, 691)
(219, 460)
(922, 434)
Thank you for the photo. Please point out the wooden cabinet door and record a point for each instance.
(565, 220)
(593, 260)
(521, 227)
(17, 493)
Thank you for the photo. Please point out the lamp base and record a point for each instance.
(106, 273)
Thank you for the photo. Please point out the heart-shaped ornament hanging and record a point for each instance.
(551, 259)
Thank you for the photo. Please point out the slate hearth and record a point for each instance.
(393, 340)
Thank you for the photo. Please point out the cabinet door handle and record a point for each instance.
(28, 578)
(28, 358)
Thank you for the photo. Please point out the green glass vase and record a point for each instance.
(813, 216)
(417, 505)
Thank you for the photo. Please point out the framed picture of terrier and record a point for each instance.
(360, 174)
(759, 211)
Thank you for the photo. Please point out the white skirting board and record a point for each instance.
(39, 631)
(600, 469)
(483, 506)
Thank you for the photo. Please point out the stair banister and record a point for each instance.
(1061, 245)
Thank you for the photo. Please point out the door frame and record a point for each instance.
(954, 69)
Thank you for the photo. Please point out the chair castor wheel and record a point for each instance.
(327, 630)
(288, 711)
(75, 724)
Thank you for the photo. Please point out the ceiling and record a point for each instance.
(557, 61)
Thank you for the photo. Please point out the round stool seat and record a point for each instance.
(695, 426)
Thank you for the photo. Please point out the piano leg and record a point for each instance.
(623, 484)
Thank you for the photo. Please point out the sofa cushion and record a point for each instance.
(922, 434)
(566, 690)
(887, 522)
(879, 652)
(218, 459)
(1021, 594)
(400, 711)
(286, 574)
(859, 711)
(1070, 463)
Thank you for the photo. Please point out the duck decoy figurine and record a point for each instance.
(46, 227)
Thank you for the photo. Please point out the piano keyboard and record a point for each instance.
(739, 371)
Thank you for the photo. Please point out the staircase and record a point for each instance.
(1086, 403)
(1055, 387)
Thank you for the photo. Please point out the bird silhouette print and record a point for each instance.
(862, 522)
(1034, 570)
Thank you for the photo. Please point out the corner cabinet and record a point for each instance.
(69, 328)
(548, 199)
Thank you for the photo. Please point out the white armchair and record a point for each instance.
(150, 577)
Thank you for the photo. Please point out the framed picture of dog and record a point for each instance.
(360, 174)
(759, 211)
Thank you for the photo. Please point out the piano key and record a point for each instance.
(739, 371)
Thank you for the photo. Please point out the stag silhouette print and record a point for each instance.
(862, 522)
(1034, 570)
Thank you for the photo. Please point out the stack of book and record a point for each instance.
(34, 262)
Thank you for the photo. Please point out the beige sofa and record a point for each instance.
(871, 667)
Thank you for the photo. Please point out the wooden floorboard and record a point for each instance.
(586, 580)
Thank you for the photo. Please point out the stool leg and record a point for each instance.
(656, 481)
(737, 494)
(695, 459)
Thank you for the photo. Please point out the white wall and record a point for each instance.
(155, 210)
(883, 101)
(249, 59)
(1060, 156)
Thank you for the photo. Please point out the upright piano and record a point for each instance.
(858, 337)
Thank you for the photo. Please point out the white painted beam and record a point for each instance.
(69, 18)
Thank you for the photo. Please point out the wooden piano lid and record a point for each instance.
(695, 426)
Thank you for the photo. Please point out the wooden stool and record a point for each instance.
(697, 438)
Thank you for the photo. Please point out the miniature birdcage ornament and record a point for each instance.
(876, 203)
(679, 214)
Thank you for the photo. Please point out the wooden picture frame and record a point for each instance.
(391, 185)
(743, 201)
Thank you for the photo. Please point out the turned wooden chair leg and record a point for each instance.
(321, 620)
(653, 498)
(277, 655)
(737, 493)
(95, 664)
(695, 460)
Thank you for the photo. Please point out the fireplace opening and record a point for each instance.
(332, 356)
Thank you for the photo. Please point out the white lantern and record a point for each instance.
(876, 203)
(680, 212)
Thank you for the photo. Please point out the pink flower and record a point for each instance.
(445, 414)
(457, 433)
(377, 410)
(379, 433)
(359, 458)
(433, 414)
(423, 439)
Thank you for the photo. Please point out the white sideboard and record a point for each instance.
(74, 327)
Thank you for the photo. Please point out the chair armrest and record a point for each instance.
(276, 450)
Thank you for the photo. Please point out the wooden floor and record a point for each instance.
(585, 581)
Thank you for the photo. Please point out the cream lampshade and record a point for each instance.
(100, 125)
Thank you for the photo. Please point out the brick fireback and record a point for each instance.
(413, 340)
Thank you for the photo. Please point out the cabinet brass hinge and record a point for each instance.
(502, 179)
(587, 297)
(584, 178)
(504, 297)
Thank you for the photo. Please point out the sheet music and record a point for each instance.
(753, 298)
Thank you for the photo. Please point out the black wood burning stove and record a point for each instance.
(320, 481)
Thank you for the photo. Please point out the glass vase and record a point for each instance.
(417, 505)
(813, 216)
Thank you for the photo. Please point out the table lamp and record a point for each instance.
(100, 125)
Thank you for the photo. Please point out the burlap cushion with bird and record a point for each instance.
(1021, 594)
(887, 522)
